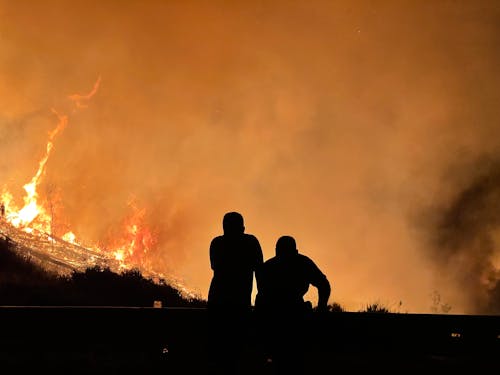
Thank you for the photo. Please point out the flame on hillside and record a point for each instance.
(31, 226)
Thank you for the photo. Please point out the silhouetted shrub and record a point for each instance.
(335, 307)
(375, 307)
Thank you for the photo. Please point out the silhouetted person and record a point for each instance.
(2, 210)
(234, 257)
(282, 283)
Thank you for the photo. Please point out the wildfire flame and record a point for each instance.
(127, 248)
(32, 210)
(80, 99)
(136, 239)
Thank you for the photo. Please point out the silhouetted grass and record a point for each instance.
(336, 307)
(375, 307)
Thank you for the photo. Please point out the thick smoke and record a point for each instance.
(465, 235)
(329, 121)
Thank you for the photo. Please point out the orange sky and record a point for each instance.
(348, 125)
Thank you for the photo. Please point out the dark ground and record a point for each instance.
(87, 340)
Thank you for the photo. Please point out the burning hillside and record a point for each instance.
(56, 254)
(33, 230)
(62, 257)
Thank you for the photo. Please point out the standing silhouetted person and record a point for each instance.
(235, 257)
(282, 283)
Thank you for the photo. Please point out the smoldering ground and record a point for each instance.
(329, 121)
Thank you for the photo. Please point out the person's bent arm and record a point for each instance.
(324, 290)
(319, 280)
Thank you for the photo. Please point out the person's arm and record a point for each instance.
(320, 281)
(213, 254)
(258, 256)
(324, 290)
(257, 268)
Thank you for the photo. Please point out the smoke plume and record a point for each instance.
(464, 235)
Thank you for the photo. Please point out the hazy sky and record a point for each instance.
(358, 127)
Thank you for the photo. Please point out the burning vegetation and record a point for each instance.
(56, 247)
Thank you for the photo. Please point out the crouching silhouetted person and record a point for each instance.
(282, 282)
(234, 257)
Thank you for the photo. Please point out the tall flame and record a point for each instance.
(33, 216)
(31, 210)
(26, 216)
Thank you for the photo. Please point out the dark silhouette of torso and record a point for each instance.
(234, 258)
(283, 281)
(283, 314)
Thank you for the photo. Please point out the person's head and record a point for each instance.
(232, 223)
(286, 246)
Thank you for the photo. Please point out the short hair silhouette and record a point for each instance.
(286, 246)
(233, 223)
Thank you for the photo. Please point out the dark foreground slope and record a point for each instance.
(174, 341)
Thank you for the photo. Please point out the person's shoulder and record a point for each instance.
(271, 261)
(311, 267)
(304, 259)
(216, 240)
(251, 239)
